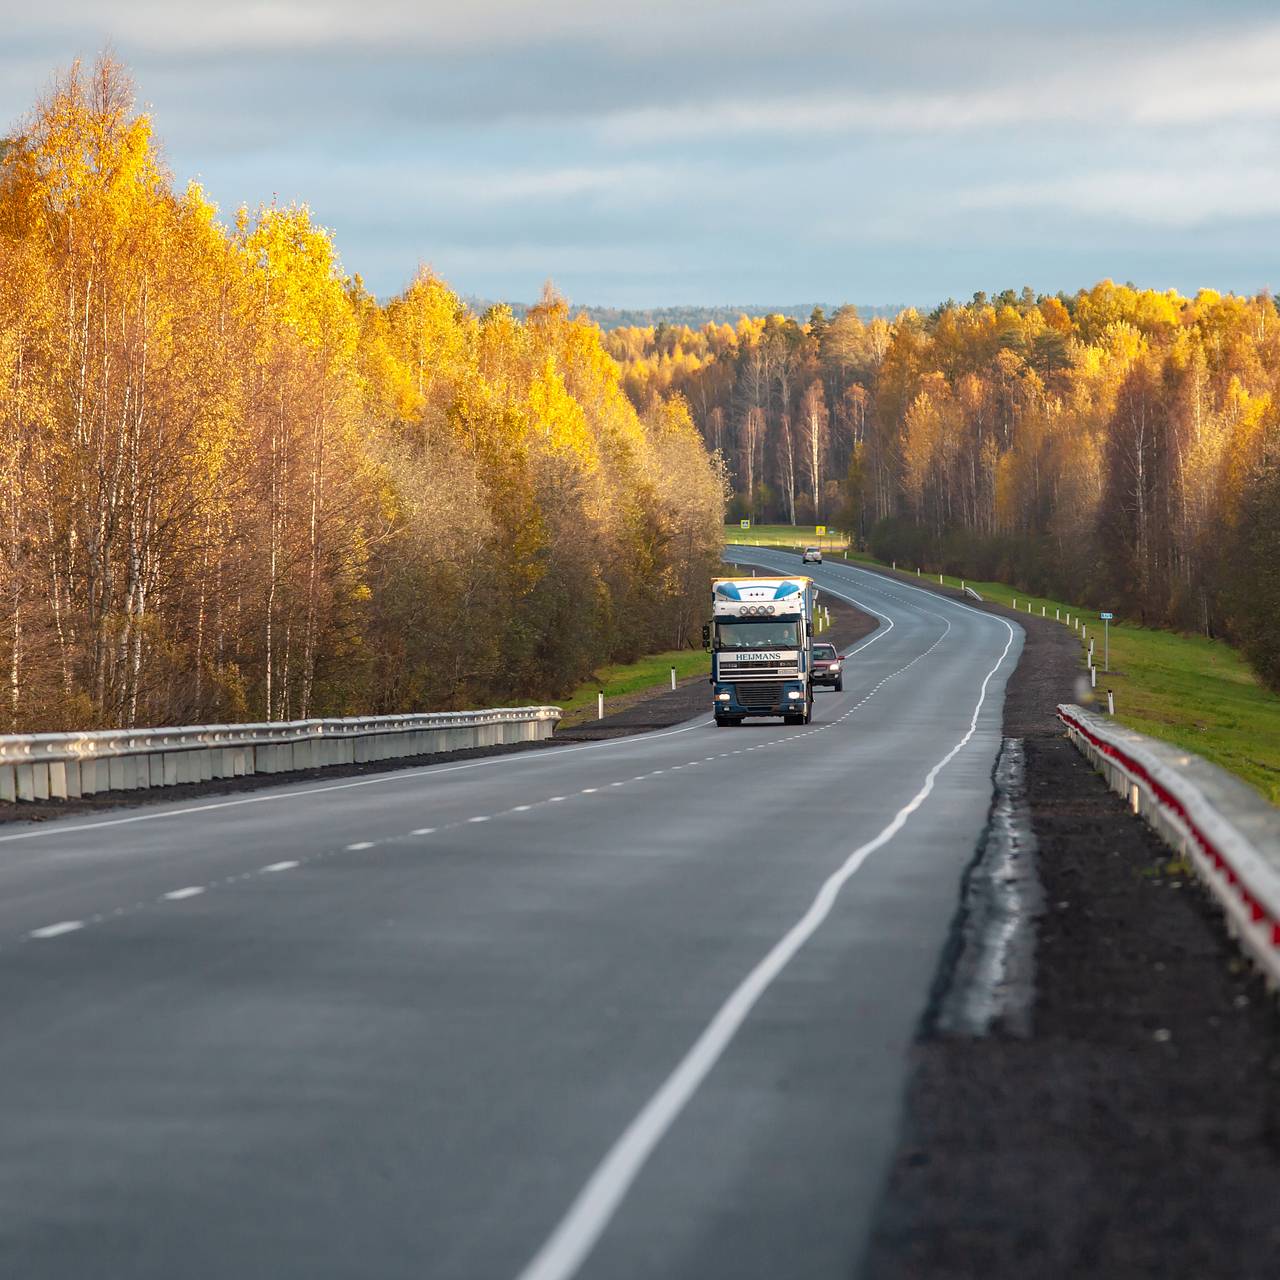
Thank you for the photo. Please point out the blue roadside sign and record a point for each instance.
(1106, 617)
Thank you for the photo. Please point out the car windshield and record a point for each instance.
(824, 651)
(811, 551)
(765, 634)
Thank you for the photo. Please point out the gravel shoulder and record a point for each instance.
(1136, 1131)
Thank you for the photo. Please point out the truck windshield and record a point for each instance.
(765, 634)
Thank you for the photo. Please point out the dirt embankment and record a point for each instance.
(1137, 1131)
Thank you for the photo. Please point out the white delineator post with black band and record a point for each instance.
(1227, 831)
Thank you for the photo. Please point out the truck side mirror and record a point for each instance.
(706, 635)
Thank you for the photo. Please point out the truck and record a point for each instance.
(761, 642)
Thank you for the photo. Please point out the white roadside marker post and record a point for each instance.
(1111, 703)
(673, 677)
(600, 705)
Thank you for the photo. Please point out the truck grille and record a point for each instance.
(754, 670)
(760, 695)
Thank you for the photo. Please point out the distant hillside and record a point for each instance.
(694, 317)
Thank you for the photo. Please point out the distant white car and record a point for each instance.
(812, 555)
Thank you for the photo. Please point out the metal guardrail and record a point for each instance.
(1228, 833)
(41, 766)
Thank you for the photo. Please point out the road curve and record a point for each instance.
(636, 1008)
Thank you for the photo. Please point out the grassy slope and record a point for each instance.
(1197, 693)
(784, 535)
(651, 672)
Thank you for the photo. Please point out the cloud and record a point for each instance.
(1182, 198)
(1196, 81)
(635, 182)
(290, 26)
(725, 148)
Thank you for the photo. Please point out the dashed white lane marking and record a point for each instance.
(573, 1239)
(69, 926)
(617, 784)
(482, 817)
(589, 791)
(56, 930)
(292, 793)
(191, 891)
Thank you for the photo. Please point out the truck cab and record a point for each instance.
(761, 642)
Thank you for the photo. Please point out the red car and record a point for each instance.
(828, 666)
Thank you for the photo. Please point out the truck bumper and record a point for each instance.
(744, 698)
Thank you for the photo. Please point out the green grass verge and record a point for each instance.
(785, 535)
(652, 672)
(1199, 694)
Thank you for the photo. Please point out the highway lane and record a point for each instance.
(406, 1020)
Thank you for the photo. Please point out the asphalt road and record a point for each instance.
(633, 1009)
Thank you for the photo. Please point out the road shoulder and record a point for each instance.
(1136, 1131)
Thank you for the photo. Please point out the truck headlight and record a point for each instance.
(795, 693)
(722, 697)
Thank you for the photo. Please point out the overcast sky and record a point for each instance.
(718, 151)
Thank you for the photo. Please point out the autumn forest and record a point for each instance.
(234, 485)
(1116, 447)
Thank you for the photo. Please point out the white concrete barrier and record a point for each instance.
(39, 766)
(1223, 828)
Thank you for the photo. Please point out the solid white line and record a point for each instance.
(190, 891)
(576, 1235)
(280, 866)
(56, 930)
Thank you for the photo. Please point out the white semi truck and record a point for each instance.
(761, 641)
